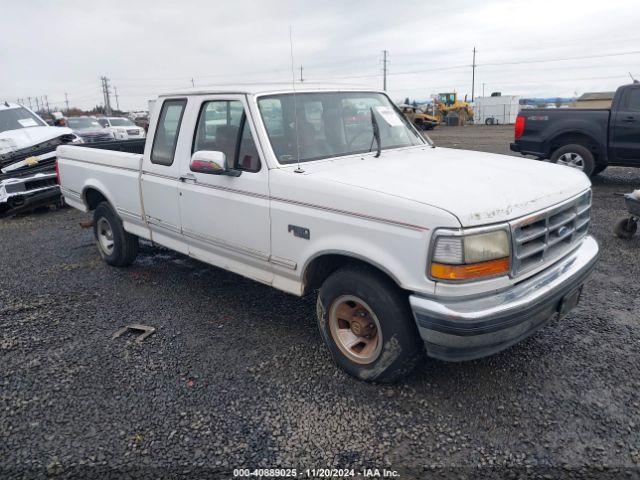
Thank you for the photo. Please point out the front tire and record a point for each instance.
(575, 156)
(116, 246)
(625, 228)
(366, 323)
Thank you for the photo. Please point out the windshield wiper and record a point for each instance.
(376, 133)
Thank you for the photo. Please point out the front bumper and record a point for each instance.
(457, 330)
(30, 200)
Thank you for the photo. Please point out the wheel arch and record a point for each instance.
(93, 194)
(579, 137)
(322, 264)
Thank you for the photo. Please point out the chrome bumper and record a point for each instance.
(457, 330)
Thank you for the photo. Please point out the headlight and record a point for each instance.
(460, 255)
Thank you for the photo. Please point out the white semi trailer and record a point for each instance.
(496, 110)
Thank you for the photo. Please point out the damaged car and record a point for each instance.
(28, 159)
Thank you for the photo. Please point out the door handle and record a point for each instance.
(188, 176)
(630, 118)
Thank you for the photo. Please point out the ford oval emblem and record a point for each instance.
(562, 231)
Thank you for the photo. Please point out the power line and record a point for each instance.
(545, 60)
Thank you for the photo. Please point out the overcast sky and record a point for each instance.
(148, 47)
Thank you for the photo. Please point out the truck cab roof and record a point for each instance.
(268, 88)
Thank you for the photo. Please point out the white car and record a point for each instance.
(413, 247)
(122, 127)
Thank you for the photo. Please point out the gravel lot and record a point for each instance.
(236, 374)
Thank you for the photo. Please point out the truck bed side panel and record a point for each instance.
(116, 175)
(543, 127)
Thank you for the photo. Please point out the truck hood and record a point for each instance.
(478, 188)
(12, 140)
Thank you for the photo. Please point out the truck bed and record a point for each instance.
(135, 145)
(544, 126)
(82, 168)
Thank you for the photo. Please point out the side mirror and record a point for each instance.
(212, 163)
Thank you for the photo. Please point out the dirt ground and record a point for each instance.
(236, 375)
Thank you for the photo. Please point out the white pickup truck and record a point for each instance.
(413, 247)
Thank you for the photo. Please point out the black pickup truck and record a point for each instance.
(588, 139)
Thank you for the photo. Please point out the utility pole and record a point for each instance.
(193, 84)
(473, 75)
(107, 95)
(301, 79)
(115, 93)
(384, 69)
(66, 101)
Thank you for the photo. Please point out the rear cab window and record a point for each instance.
(166, 136)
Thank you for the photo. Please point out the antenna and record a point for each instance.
(295, 105)
(633, 79)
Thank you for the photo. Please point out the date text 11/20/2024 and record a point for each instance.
(316, 473)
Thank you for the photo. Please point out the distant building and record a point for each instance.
(594, 100)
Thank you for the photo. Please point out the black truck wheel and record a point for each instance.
(366, 323)
(625, 228)
(576, 156)
(116, 246)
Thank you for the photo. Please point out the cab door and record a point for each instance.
(160, 173)
(225, 219)
(625, 139)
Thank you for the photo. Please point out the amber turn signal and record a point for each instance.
(471, 271)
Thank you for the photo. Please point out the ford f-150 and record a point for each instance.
(587, 139)
(411, 247)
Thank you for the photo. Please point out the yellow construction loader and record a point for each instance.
(450, 111)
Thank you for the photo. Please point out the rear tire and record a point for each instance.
(575, 156)
(366, 323)
(116, 246)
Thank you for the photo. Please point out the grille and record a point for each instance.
(549, 234)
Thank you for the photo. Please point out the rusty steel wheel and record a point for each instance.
(355, 329)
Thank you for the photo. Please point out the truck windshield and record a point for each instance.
(121, 122)
(17, 118)
(324, 125)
